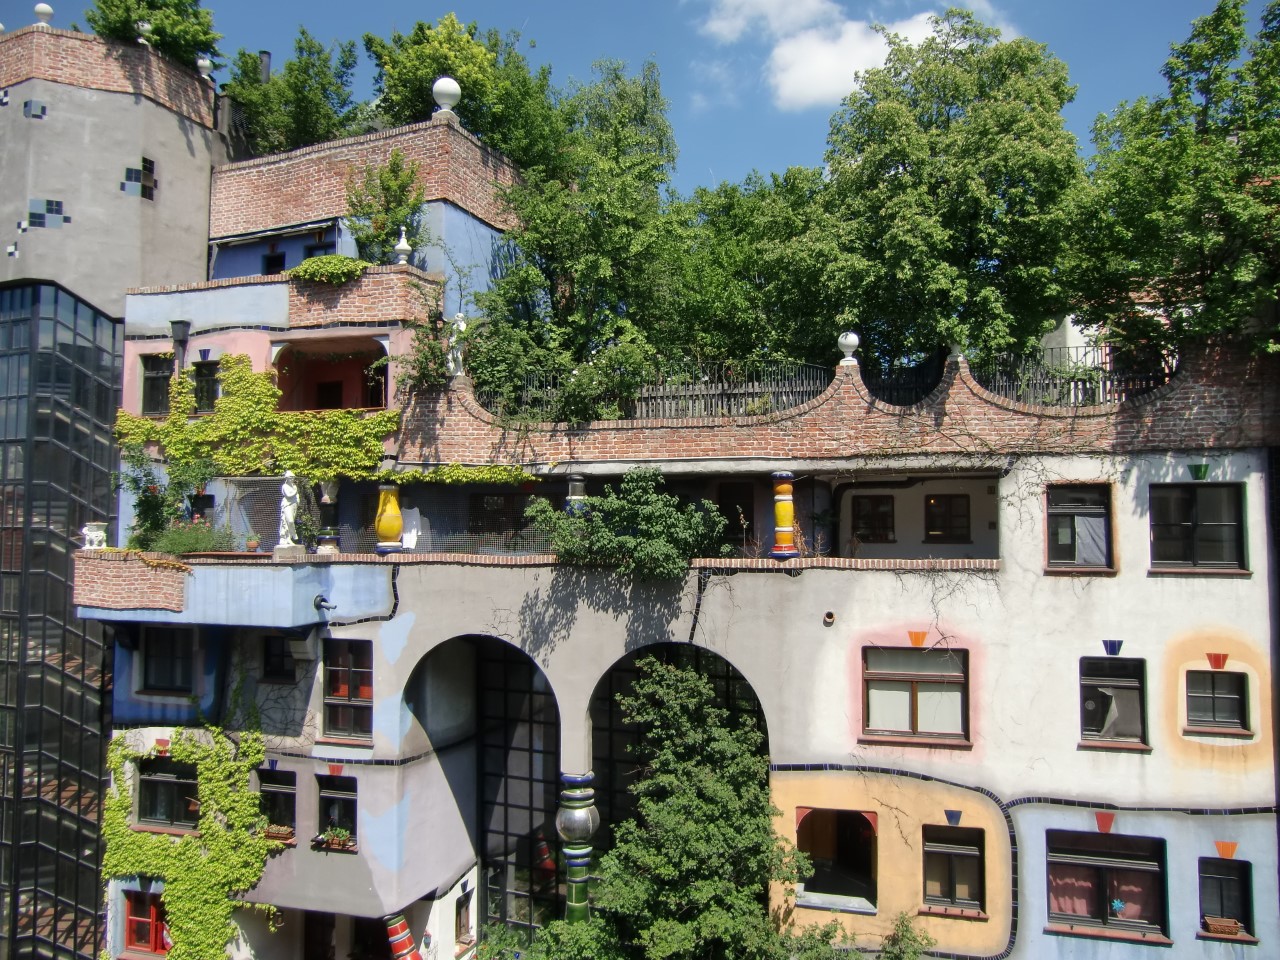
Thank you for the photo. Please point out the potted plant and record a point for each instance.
(277, 831)
(335, 838)
(252, 542)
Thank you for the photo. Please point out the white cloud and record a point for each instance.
(728, 20)
(717, 85)
(817, 67)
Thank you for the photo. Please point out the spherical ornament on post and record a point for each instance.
(848, 342)
(44, 13)
(446, 93)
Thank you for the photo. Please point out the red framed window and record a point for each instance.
(348, 694)
(145, 930)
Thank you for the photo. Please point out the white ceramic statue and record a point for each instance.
(288, 511)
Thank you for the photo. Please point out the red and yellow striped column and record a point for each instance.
(784, 517)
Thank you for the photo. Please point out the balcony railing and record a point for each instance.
(1071, 377)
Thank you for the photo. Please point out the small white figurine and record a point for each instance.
(95, 536)
(288, 511)
(453, 359)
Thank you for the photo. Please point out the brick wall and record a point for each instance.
(311, 183)
(84, 60)
(123, 581)
(1219, 399)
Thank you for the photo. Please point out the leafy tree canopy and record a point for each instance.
(381, 202)
(307, 102)
(180, 29)
(504, 103)
(1176, 227)
(950, 170)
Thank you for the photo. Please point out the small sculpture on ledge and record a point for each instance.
(288, 511)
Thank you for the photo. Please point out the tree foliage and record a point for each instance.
(950, 173)
(308, 101)
(504, 103)
(381, 202)
(1177, 226)
(634, 529)
(180, 29)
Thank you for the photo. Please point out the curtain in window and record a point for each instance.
(1091, 541)
(1073, 890)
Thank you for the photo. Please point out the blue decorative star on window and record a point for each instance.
(1117, 906)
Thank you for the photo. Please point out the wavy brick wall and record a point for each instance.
(311, 183)
(83, 60)
(123, 581)
(1219, 399)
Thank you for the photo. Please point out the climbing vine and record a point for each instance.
(496, 473)
(332, 268)
(202, 871)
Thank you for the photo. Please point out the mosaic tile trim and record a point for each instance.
(34, 109)
(4, 97)
(12, 249)
(43, 213)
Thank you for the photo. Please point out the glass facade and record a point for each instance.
(59, 367)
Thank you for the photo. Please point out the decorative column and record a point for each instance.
(389, 524)
(577, 821)
(403, 946)
(784, 517)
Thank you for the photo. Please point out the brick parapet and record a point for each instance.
(118, 580)
(1219, 399)
(84, 60)
(311, 183)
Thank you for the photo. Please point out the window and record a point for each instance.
(204, 376)
(156, 373)
(462, 919)
(1112, 693)
(145, 930)
(277, 660)
(319, 250)
(348, 690)
(1197, 525)
(1079, 526)
(842, 845)
(946, 518)
(1226, 891)
(953, 866)
(167, 793)
(375, 387)
(167, 655)
(1106, 880)
(148, 179)
(279, 794)
(873, 519)
(337, 803)
(1217, 698)
(272, 263)
(910, 692)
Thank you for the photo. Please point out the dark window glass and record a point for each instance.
(337, 803)
(167, 793)
(279, 797)
(1080, 526)
(946, 518)
(156, 373)
(277, 660)
(273, 263)
(1106, 880)
(319, 250)
(1217, 698)
(204, 376)
(873, 519)
(1197, 524)
(1112, 699)
(167, 659)
(348, 693)
(1226, 890)
(953, 866)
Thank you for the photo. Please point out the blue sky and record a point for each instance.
(752, 83)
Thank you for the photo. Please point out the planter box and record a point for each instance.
(1224, 926)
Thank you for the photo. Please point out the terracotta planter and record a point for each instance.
(1224, 926)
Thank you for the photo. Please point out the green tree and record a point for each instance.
(634, 529)
(383, 201)
(504, 103)
(1176, 226)
(950, 172)
(307, 102)
(180, 29)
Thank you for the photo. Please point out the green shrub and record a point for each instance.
(194, 536)
(332, 268)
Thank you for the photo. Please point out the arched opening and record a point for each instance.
(842, 846)
(613, 763)
(332, 374)
(481, 694)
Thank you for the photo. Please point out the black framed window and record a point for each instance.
(348, 688)
(1107, 880)
(278, 790)
(873, 518)
(946, 518)
(168, 794)
(337, 803)
(148, 180)
(1217, 698)
(319, 250)
(1226, 891)
(167, 659)
(1197, 525)
(157, 371)
(953, 866)
(1079, 526)
(1113, 699)
(277, 660)
(204, 377)
(272, 263)
(915, 692)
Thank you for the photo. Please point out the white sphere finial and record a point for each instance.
(44, 13)
(144, 31)
(403, 249)
(848, 342)
(205, 66)
(446, 93)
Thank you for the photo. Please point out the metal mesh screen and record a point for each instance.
(253, 504)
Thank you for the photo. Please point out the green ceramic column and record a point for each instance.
(576, 822)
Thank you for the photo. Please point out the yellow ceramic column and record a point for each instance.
(784, 517)
(389, 524)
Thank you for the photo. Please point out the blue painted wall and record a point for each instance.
(245, 259)
(210, 676)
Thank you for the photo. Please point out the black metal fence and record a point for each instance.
(1072, 377)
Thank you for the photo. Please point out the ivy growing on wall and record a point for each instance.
(202, 871)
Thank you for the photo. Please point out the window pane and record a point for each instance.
(925, 662)
(1073, 890)
(941, 708)
(889, 705)
(937, 876)
(1137, 894)
(1111, 712)
(968, 878)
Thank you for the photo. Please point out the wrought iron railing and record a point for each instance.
(1071, 377)
(905, 386)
